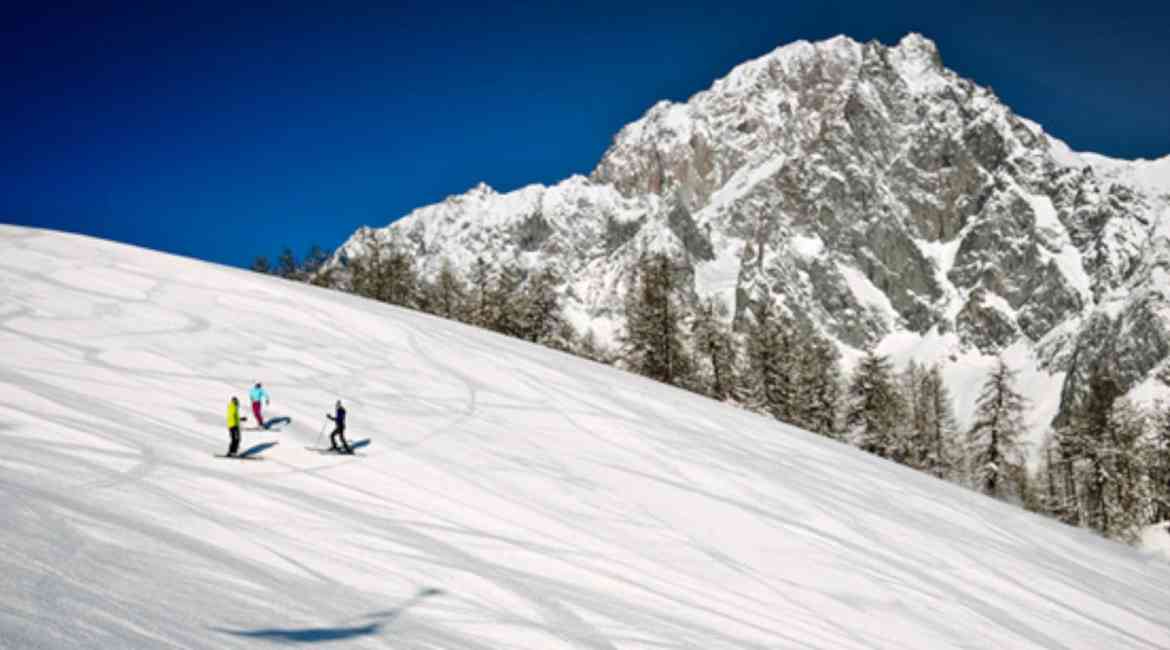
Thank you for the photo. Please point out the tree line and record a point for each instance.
(1105, 467)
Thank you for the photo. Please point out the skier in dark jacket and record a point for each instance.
(339, 431)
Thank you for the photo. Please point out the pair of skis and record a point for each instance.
(253, 453)
(355, 445)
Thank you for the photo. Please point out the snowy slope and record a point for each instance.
(554, 503)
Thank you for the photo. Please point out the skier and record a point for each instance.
(339, 431)
(233, 423)
(258, 394)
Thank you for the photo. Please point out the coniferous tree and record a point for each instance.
(1079, 442)
(447, 295)
(652, 341)
(820, 386)
(325, 276)
(1159, 463)
(589, 347)
(287, 266)
(714, 347)
(875, 407)
(509, 310)
(386, 273)
(1047, 482)
(914, 435)
(942, 453)
(261, 265)
(994, 439)
(773, 359)
(1127, 494)
(542, 320)
(481, 308)
(313, 261)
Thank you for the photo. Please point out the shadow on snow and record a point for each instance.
(255, 449)
(335, 633)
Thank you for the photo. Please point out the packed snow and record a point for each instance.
(511, 497)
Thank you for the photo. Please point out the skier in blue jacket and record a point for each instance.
(258, 395)
(339, 431)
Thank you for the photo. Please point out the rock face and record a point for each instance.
(869, 189)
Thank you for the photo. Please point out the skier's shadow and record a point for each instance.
(323, 634)
(255, 449)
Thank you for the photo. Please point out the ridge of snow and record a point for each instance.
(1148, 176)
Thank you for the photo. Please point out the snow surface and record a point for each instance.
(1156, 539)
(513, 497)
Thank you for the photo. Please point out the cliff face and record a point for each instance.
(872, 191)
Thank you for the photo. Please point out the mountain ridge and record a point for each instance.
(870, 190)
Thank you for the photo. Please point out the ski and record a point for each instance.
(251, 453)
(356, 444)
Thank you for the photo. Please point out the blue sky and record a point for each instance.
(224, 133)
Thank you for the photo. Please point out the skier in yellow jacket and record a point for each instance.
(233, 423)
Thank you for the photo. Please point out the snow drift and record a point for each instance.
(512, 496)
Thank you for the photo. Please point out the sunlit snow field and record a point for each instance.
(512, 497)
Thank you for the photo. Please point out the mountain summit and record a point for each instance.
(877, 195)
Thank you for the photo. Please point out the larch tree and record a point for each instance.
(995, 451)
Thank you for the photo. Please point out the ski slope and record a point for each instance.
(513, 497)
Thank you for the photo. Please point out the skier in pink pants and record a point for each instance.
(258, 394)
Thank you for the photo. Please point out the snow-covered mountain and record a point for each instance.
(512, 496)
(877, 194)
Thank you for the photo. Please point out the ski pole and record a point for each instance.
(318, 443)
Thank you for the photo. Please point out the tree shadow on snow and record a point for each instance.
(336, 633)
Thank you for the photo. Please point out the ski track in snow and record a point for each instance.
(512, 497)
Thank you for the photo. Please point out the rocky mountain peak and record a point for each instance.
(877, 195)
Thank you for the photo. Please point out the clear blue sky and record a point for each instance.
(225, 133)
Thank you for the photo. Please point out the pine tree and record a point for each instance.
(1049, 483)
(385, 273)
(542, 321)
(1128, 497)
(772, 353)
(481, 308)
(819, 389)
(587, 346)
(1159, 463)
(914, 429)
(447, 295)
(509, 310)
(312, 262)
(1080, 446)
(875, 407)
(941, 446)
(994, 438)
(714, 348)
(653, 340)
(261, 265)
(287, 266)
